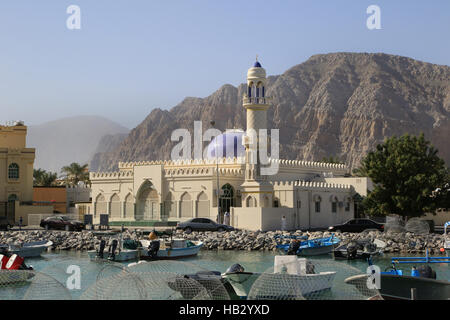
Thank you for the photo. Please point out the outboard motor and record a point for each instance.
(425, 271)
(101, 249)
(310, 269)
(352, 251)
(112, 250)
(235, 268)
(153, 249)
(293, 247)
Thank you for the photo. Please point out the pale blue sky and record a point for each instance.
(131, 56)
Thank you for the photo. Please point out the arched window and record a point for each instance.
(12, 197)
(250, 202)
(115, 206)
(317, 200)
(13, 171)
(129, 206)
(186, 205)
(203, 205)
(334, 202)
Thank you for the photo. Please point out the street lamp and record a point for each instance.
(217, 178)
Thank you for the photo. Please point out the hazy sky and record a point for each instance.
(134, 55)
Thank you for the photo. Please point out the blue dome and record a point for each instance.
(229, 145)
(257, 65)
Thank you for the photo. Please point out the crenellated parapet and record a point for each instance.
(312, 184)
(310, 164)
(182, 162)
(110, 175)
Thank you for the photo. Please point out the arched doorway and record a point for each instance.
(226, 200)
(147, 203)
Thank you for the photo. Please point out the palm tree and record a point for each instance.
(76, 173)
(42, 178)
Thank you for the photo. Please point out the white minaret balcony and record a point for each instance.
(255, 100)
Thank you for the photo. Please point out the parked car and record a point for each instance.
(61, 223)
(203, 224)
(5, 224)
(357, 225)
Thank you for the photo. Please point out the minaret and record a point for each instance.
(256, 104)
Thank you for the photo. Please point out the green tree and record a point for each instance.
(332, 159)
(76, 173)
(42, 178)
(405, 171)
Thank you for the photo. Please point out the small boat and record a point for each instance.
(359, 249)
(447, 239)
(29, 249)
(311, 247)
(421, 284)
(168, 249)
(118, 250)
(299, 271)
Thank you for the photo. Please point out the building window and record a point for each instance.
(299, 203)
(12, 197)
(334, 207)
(13, 171)
(317, 206)
(276, 203)
(347, 206)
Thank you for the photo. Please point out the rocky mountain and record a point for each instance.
(61, 142)
(105, 147)
(337, 104)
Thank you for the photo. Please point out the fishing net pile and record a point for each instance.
(394, 224)
(310, 279)
(159, 280)
(417, 226)
(31, 285)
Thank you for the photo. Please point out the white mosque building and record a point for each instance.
(308, 194)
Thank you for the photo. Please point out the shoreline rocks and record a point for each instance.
(405, 242)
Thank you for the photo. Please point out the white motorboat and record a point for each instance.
(298, 272)
(169, 249)
(29, 249)
(118, 250)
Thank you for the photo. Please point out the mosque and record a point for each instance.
(307, 194)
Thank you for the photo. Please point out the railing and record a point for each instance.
(256, 100)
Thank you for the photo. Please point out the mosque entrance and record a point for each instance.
(148, 203)
(226, 200)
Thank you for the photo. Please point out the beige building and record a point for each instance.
(308, 194)
(16, 173)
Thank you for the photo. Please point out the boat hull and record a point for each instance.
(398, 287)
(124, 255)
(242, 283)
(315, 251)
(175, 253)
(32, 249)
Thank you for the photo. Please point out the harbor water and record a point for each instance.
(63, 267)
